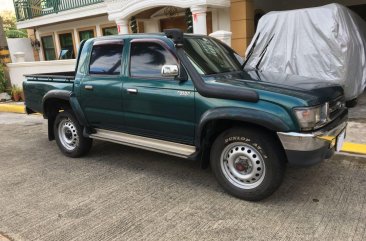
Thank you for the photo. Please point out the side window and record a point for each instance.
(147, 59)
(106, 59)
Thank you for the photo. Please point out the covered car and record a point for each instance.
(327, 43)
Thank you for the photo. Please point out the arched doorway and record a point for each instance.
(160, 18)
(202, 14)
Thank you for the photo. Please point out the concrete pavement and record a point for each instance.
(122, 193)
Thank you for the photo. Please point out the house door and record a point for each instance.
(176, 22)
(180, 22)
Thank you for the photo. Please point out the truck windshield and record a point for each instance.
(209, 56)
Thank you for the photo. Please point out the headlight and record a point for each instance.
(310, 118)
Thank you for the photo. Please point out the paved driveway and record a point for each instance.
(119, 193)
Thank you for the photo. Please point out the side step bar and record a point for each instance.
(166, 147)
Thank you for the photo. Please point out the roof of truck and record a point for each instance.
(143, 35)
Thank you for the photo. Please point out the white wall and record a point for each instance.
(20, 45)
(18, 70)
(152, 25)
(223, 21)
(294, 4)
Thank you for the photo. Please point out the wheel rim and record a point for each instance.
(242, 165)
(68, 134)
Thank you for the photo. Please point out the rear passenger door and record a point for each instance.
(101, 87)
(157, 106)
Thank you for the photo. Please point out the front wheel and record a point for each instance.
(351, 103)
(248, 163)
(69, 135)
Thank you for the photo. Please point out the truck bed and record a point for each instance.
(37, 85)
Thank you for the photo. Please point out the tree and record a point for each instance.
(3, 82)
(3, 46)
(133, 24)
(3, 42)
(10, 28)
(189, 20)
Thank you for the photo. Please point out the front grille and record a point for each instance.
(336, 107)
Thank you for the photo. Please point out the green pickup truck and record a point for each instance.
(188, 96)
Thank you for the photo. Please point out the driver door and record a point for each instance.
(157, 106)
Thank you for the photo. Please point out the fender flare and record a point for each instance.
(252, 116)
(68, 96)
(55, 94)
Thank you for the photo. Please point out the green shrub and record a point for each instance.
(3, 81)
(15, 33)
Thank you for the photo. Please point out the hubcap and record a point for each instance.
(242, 165)
(68, 134)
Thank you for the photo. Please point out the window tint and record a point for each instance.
(210, 56)
(106, 59)
(147, 59)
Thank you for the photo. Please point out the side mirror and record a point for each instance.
(170, 71)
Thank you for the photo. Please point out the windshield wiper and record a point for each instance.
(263, 53)
(251, 51)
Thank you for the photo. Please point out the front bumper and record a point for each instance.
(305, 149)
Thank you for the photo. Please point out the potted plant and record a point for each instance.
(22, 94)
(15, 92)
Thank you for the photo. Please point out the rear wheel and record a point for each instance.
(248, 163)
(69, 135)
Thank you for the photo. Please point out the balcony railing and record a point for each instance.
(28, 9)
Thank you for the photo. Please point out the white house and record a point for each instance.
(58, 26)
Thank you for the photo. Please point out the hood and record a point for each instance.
(310, 90)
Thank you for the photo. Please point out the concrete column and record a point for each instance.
(199, 19)
(242, 24)
(38, 56)
(57, 45)
(122, 26)
(77, 40)
(40, 53)
(224, 36)
(98, 30)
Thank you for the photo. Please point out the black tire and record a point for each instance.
(259, 156)
(351, 103)
(79, 145)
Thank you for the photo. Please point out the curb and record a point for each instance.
(11, 108)
(354, 148)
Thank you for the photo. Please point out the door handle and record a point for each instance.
(132, 91)
(88, 87)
